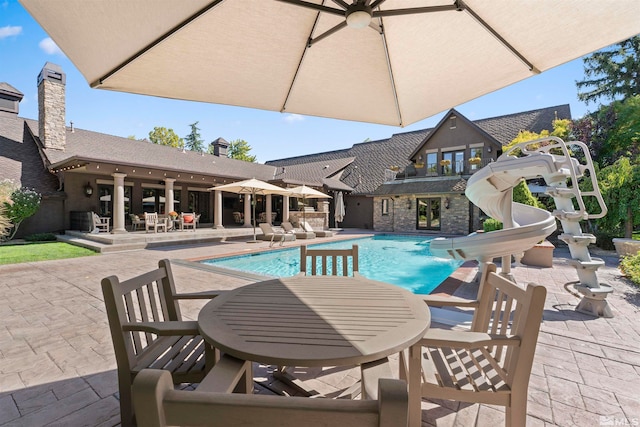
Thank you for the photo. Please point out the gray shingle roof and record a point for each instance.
(506, 128)
(19, 157)
(313, 173)
(83, 144)
(422, 186)
(366, 173)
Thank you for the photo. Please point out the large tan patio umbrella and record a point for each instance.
(382, 61)
(254, 187)
(306, 193)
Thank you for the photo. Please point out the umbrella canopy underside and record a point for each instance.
(257, 53)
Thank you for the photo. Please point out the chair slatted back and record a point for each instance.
(151, 218)
(507, 309)
(144, 298)
(158, 404)
(333, 262)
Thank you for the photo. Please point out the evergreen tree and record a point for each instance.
(612, 73)
(194, 141)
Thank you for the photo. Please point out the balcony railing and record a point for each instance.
(437, 169)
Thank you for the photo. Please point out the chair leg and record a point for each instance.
(126, 405)
(516, 413)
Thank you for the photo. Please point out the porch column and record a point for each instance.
(247, 210)
(217, 209)
(285, 208)
(118, 203)
(168, 195)
(268, 210)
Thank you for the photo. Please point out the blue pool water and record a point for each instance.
(401, 260)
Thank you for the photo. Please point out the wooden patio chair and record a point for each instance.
(189, 220)
(136, 222)
(159, 405)
(491, 363)
(100, 223)
(147, 331)
(330, 261)
(152, 221)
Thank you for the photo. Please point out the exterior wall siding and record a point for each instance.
(402, 215)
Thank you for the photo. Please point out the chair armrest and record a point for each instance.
(186, 327)
(199, 295)
(465, 339)
(449, 301)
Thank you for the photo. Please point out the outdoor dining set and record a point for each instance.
(328, 315)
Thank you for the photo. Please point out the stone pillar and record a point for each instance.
(168, 195)
(247, 210)
(268, 209)
(51, 107)
(217, 209)
(285, 208)
(118, 203)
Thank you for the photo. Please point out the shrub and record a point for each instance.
(491, 224)
(41, 237)
(630, 266)
(23, 203)
(604, 240)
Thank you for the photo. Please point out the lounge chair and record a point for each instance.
(492, 362)
(275, 235)
(152, 221)
(100, 223)
(159, 405)
(299, 233)
(319, 233)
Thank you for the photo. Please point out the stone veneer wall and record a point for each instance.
(402, 218)
(51, 114)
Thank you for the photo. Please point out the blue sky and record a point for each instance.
(25, 48)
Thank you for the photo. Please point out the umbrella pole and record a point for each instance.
(253, 205)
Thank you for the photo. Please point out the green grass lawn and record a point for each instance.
(14, 254)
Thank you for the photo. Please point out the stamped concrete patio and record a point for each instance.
(57, 365)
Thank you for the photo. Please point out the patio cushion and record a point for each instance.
(188, 218)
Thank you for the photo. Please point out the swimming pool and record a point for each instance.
(401, 260)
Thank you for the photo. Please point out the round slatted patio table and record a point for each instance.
(318, 321)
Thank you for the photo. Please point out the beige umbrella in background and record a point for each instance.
(254, 187)
(305, 193)
(381, 61)
(339, 208)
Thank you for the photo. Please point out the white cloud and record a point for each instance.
(9, 31)
(291, 118)
(50, 47)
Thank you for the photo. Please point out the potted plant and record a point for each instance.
(445, 162)
(419, 164)
(173, 214)
(475, 160)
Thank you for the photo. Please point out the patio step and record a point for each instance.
(100, 247)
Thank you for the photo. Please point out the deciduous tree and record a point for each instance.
(164, 136)
(239, 150)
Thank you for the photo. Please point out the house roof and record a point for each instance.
(370, 159)
(317, 174)
(506, 128)
(19, 157)
(366, 173)
(99, 147)
(422, 186)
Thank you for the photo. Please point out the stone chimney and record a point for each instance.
(51, 106)
(10, 98)
(220, 147)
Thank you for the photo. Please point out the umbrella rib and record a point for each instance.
(295, 76)
(317, 7)
(391, 78)
(495, 34)
(156, 42)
